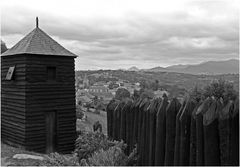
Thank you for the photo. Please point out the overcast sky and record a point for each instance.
(113, 34)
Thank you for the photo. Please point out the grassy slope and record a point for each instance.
(91, 119)
(7, 153)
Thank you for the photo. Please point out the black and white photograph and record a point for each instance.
(119, 82)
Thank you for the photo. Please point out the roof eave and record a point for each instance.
(6, 54)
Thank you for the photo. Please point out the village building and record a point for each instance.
(85, 82)
(98, 89)
(38, 107)
(101, 92)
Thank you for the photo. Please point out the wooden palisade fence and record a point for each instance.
(170, 133)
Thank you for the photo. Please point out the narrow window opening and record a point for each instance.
(10, 72)
(51, 73)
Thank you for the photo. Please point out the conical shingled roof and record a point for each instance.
(38, 42)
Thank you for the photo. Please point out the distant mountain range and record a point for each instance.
(134, 68)
(210, 67)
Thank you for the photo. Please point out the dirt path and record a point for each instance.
(7, 153)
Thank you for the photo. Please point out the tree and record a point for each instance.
(136, 94)
(144, 84)
(113, 85)
(155, 85)
(122, 93)
(196, 93)
(147, 93)
(3, 47)
(80, 103)
(95, 99)
(96, 104)
(220, 89)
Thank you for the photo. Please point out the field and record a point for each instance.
(87, 124)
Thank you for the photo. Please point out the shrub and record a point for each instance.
(89, 142)
(146, 93)
(79, 112)
(94, 149)
(122, 93)
(114, 156)
(55, 159)
(196, 93)
(133, 157)
(220, 89)
(136, 94)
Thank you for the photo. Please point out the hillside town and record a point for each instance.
(103, 91)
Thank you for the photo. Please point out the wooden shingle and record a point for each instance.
(38, 42)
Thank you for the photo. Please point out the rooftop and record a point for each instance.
(39, 43)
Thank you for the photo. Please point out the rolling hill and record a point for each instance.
(211, 68)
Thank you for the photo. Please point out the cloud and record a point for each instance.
(196, 43)
(118, 34)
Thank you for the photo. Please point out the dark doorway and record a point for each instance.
(50, 118)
